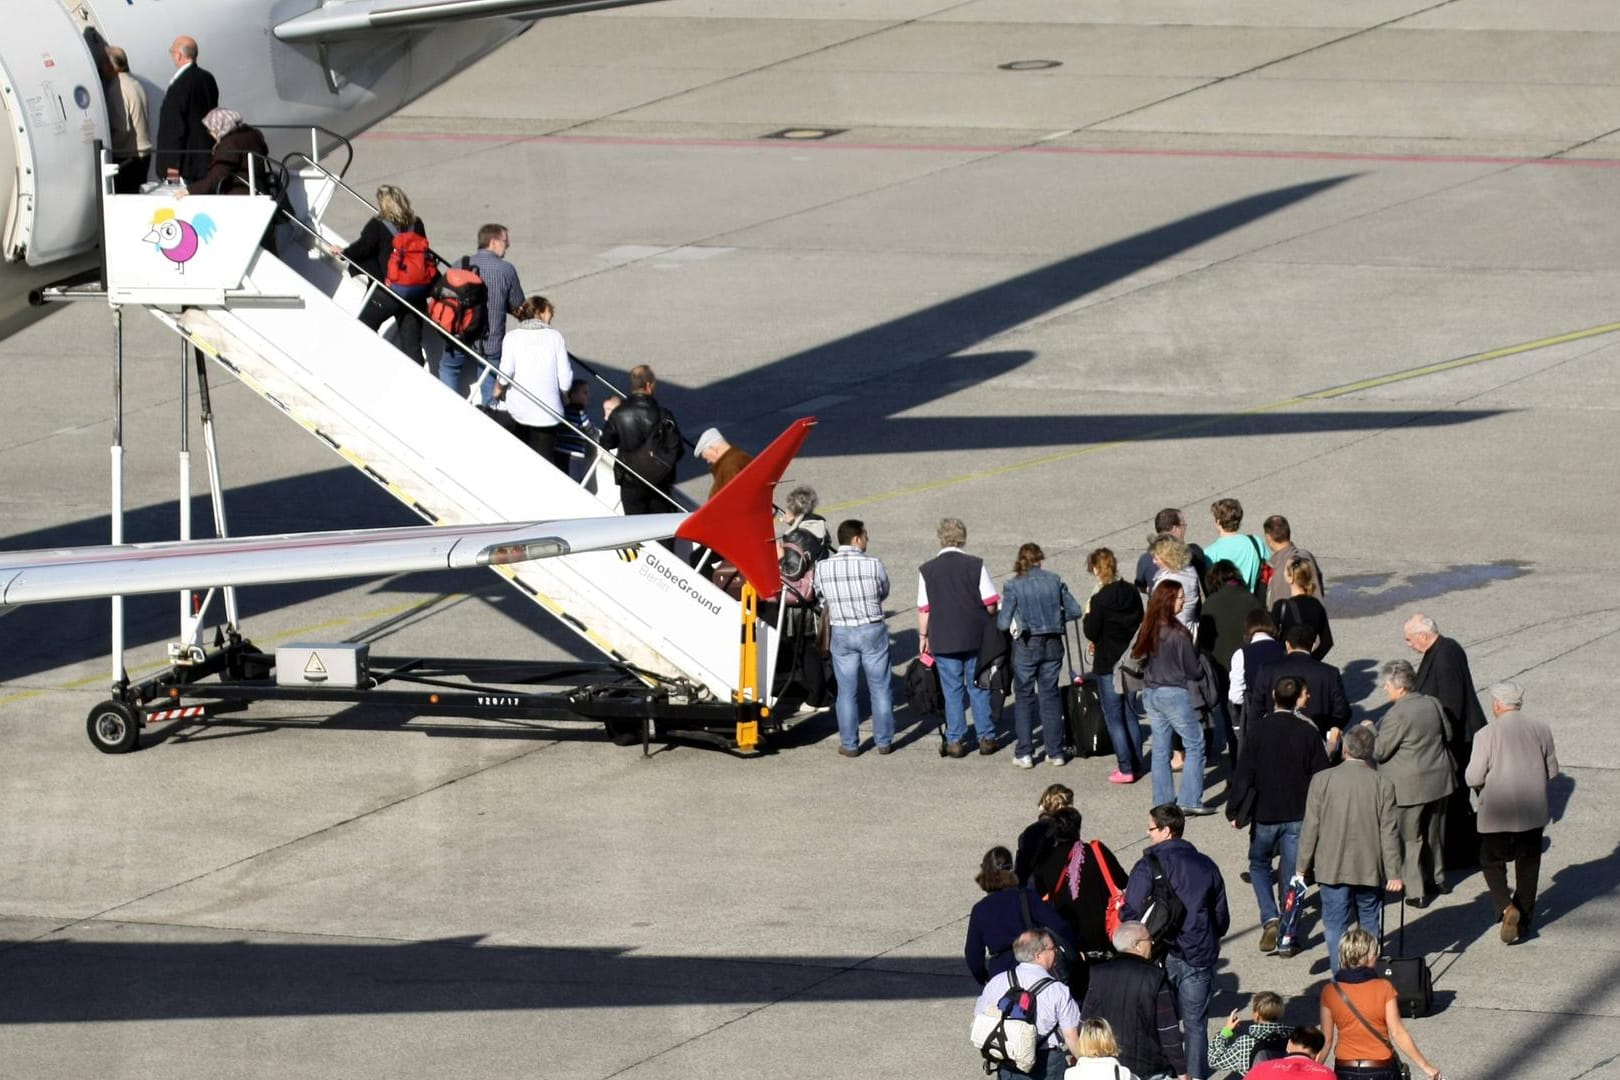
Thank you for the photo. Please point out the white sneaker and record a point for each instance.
(1058, 760)
(1024, 762)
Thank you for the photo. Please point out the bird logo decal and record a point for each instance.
(178, 240)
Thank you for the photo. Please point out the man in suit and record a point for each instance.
(1281, 752)
(1351, 838)
(1411, 751)
(1327, 706)
(1443, 675)
(183, 144)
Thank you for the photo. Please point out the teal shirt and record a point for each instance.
(1243, 552)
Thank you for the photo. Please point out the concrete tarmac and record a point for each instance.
(1352, 263)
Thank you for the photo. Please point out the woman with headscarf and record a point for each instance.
(1073, 875)
(238, 148)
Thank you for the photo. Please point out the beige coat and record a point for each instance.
(1512, 761)
(1350, 835)
(1411, 750)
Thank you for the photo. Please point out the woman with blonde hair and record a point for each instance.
(1174, 560)
(1361, 1017)
(1304, 605)
(1097, 1060)
(1113, 613)
(386, 254)
(1036, 608)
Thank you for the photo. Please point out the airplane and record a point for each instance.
(341, 65)
(737, 523)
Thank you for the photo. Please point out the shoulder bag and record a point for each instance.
(1400, 1062)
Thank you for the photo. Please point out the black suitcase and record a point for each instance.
(1410, 975)
(1082, 711)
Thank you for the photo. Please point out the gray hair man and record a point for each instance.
(1411, 752)
(1057, 1017)
(1512, 763)
(1134, 995)
(955, 599)
(1351, 838)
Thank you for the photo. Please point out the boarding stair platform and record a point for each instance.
(286, 328)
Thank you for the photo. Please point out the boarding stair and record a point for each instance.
(286, 329)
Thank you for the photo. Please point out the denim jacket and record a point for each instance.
(1039, 600)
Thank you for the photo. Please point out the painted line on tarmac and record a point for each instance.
(298, 631)
(1039, 147)
(1326, 394)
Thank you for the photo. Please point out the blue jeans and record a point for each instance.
(1267, 842)
(1346, 904)
(1192, 986)
(487, 389)
(956, 671)
(1170, 712)
(857, 649)
(1124, 724)
(1035, 666)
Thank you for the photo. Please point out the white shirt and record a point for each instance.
(1056, 1011)
(1188, 579)
(1098, 1068)
(535, 357)
(180, 69)
(1235, 695)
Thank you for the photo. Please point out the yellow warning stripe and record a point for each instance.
(1214, 421)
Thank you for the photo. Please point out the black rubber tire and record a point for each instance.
(114, 727)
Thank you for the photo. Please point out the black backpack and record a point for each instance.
(1165, 913)
(655, 458)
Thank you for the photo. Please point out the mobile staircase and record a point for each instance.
(285, 326)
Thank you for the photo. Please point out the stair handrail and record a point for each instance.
(450, 340)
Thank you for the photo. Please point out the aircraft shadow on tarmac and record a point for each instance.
(76, 981)
(55, 635)
(938, 334)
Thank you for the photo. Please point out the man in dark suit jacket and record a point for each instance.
(183, 144)
(1327, 704)
(1443, 675)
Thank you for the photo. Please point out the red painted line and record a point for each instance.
(947, 148)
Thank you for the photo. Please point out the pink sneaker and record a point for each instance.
(1121, 778)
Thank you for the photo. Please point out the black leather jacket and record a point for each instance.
(629, 426)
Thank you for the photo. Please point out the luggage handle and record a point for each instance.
(1080, 647)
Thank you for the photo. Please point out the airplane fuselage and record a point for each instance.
(48, 212)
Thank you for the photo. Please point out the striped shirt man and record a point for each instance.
(854, 585)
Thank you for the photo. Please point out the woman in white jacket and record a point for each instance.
(1097, 1050)
(535, 357)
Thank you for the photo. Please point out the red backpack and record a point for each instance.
(411, 262)
(459, 302)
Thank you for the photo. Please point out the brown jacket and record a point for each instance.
(727, 466)
(228, 169)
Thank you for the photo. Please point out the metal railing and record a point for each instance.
(450, 341)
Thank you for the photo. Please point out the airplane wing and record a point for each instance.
(737, 523)
(358, 18)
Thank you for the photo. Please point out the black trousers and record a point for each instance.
(132, 174)
(1523, 850)
(385, 305)
(543, 441)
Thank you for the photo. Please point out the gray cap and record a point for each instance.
(709, 437)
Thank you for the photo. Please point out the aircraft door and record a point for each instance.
(55, 112)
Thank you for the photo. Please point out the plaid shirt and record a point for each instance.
(854, 585)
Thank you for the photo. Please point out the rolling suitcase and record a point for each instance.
(1082, 710)
(1410, 975)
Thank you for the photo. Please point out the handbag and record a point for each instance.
(1400, 1062)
